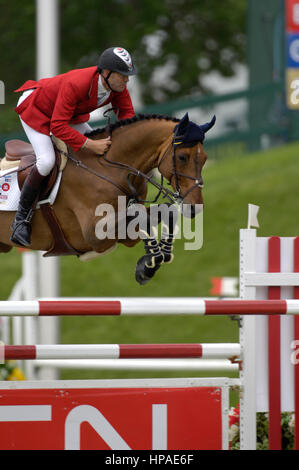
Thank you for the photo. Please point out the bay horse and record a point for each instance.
(139, 145)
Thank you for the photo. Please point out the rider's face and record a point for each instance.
(117, 81)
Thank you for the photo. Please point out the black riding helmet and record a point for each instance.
(118, 60)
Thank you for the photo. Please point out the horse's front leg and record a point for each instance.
(168, 223)
(148, 264)
(157, 254)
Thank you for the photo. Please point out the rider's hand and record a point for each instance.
(98, 146)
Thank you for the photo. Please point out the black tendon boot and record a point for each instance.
(21, 227)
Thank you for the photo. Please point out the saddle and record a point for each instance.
(21, 154)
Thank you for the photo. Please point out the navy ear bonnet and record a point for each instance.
(187, 133)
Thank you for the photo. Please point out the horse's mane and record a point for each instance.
(125, 122)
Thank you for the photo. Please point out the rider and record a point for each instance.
(61, 105)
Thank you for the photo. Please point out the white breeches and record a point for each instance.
(42, 143)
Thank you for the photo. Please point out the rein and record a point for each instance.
(133, 171)
(133, 196)
(82, 165)
(172, 196)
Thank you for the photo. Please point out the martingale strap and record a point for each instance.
(60, 244)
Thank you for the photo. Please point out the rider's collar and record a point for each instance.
(102, 92)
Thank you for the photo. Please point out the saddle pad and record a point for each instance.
(8, 164)
(10, 192)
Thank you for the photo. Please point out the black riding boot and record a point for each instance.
(21, 227)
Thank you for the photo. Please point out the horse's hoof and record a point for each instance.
(143, 273)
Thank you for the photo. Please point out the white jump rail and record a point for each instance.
(144, 365)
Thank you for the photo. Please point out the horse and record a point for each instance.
(139, 145)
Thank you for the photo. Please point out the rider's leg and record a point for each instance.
(45, 160)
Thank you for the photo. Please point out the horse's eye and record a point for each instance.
(183, 158)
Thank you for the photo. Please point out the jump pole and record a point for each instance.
(146, 365)
(149, 306)
(121, 351)
(47, 65)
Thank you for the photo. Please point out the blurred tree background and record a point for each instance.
(175, 43)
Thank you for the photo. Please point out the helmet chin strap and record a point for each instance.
(107, 82)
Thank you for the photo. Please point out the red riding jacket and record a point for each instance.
(68, 99)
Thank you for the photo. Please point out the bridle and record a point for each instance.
(133, 197)
(176, 141)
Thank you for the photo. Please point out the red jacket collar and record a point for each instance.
(93, 89)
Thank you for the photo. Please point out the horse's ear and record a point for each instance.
(182, 125)
(206, 127)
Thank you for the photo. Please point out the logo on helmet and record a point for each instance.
(124, 55)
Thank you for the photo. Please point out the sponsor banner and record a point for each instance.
(112, 418)
(292, 50)
(292, 88)
(292, 53)
(292, 15)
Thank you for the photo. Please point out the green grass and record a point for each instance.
(269, 179)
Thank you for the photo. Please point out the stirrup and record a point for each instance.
(26, 220)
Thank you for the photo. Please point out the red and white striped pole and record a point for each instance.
(146, 306)
(121, 351)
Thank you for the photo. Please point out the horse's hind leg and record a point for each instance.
(5, 248)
